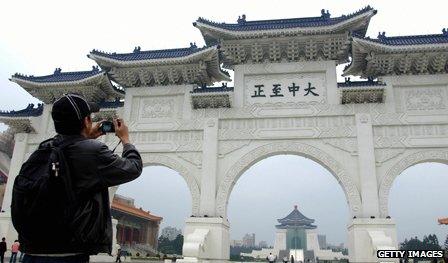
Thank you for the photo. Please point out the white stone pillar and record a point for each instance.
(18, 157)
(366, 166)
(367, 235)
(45, 119)
(209, 169)
(238, 90)
(331, 83)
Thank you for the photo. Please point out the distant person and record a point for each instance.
(118, 259)
(292, 259)
(285, 259)
(271, 258)
(14, 251)
(2, 250)
(83, 169)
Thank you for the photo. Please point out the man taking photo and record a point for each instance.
(60, 204)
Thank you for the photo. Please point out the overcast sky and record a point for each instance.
(38, 36)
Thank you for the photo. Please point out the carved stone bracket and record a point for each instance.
(226, 147)
(195, 158)
(384, 155)
(348, 145)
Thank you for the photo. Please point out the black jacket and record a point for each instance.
(93, 169)
(2, 247)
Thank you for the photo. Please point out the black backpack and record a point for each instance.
(42, 197)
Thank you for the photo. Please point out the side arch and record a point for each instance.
(236, 170)
(163, 160)
(439, 156)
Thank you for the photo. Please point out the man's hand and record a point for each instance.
(95, 131)
(121, 130)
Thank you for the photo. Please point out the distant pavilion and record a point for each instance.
(135, 226)
(296, 225)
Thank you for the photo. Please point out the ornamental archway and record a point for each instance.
(300, 149)
(285, 99)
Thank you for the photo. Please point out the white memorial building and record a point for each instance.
(285, 100)
(296, 235)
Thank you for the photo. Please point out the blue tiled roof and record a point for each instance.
(295, 218)
(222, 88)
(411, 40)
(151, 54)
(59, 76)
(110, 104)
(323, 20)
(362, 83)
(29, 111)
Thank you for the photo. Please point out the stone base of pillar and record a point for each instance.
(206, 239)
(7, 230)
(367, 235)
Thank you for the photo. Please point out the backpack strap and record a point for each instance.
(66, 142)
(58, 150)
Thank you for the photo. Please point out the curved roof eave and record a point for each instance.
(102, 76)
(372, 44)
(293, 30)
(110, 62)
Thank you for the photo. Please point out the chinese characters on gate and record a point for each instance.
(277, 90)
(285, 88)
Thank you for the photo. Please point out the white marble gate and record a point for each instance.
(285, 100)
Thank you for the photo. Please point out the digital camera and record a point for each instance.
(107, 126)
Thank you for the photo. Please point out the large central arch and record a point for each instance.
(234, 173)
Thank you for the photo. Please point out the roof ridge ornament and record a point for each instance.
(193, 45)
(95, 69)
(57, 71)
(381, 35)
(325, 13)
(241, 19)
(137, 49)
(445, 31)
